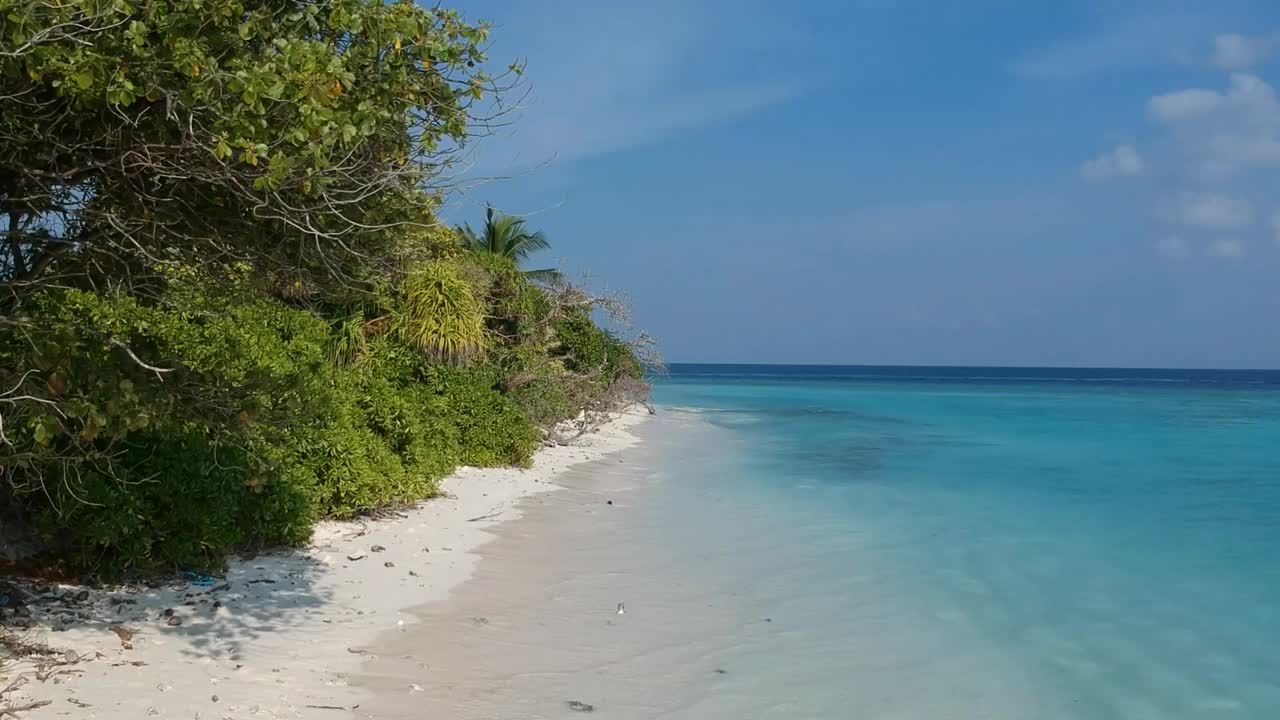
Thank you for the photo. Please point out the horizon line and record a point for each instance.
(978, 366)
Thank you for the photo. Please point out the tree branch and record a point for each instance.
(157, 370)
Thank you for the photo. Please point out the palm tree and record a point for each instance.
(507, 236)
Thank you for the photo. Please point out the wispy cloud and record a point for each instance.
(1124, 161)
(1119, 44)
(1216, 212)
(1174, 247)
(554, 127)
(1232, 51)
(606, 77)
(1227, 248)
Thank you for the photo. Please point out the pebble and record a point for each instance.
(388, 564)
(377, 548)
(174, 621)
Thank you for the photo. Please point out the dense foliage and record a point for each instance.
(227, 308)
(287, 133)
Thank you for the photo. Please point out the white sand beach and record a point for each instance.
(281, 635)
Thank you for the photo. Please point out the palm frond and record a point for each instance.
(470, 240)
(526, 243)
(546, 275)
(505, 235)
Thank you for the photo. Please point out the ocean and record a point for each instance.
(885, 544)
(972, 542)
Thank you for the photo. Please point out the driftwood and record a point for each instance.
(13, 710)
(45, 663)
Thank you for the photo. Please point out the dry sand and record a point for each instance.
(283, 633)
(613, 596)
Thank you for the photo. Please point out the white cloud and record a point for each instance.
(1213, 156)
(1238, 52)
(1216, 212)
(1218, 135)
(1182, 104)
(1173, 247)
(1124, 161)
(1248, 97)
(1230, 249)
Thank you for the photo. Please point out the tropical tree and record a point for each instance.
(302, 137)
(507, 236)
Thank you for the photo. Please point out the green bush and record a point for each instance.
(183, 502)
(248, 437)
(620, 360)
(161, 409)
(440, 315)
(168, 466)
(587, 347)
(490, 426)
(545, 402)
(583, 344)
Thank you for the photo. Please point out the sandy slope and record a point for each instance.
(279, 636)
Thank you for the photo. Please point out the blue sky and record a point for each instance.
(915, 182)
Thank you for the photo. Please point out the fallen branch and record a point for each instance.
(13, 711)
(13, 686)
(47, 663)
(491, 514)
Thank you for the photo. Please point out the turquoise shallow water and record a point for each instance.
(1003, 544)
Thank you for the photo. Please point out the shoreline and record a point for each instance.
(621, 593)
(280, 635)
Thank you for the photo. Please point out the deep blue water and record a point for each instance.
(993, 542)
(970, 375)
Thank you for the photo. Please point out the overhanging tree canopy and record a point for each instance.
(290, 133)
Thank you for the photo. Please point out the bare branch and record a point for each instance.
(157, 370)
